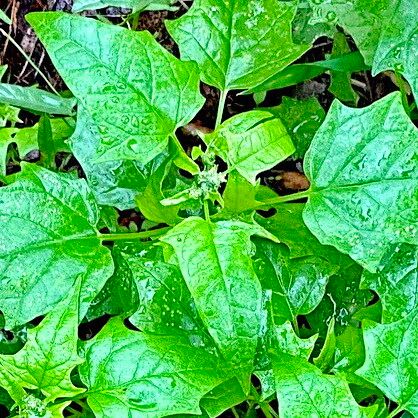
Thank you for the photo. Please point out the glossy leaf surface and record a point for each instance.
(366, 200)
(237, 44)
(52, 218)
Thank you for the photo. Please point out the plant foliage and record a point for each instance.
(229, 295)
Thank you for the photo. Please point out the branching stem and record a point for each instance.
(288, 198)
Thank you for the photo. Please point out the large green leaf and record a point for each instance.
(396, 284)
(52, 219)
(237, 43)
(134, 93)
(251, 142)
(141, 375)
(392, 360)
(362, 165)
(302, 118)
(297, 285)
(303, 391)
(215, 260)
(50, 354)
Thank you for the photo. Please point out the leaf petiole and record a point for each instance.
(133, 235)
(221, 107)
(288, 198)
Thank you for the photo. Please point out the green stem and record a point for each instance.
(395, 411)
(266, 410)
(133, 235)
(234, 412)
(29, 60)
(222, 100)
(296, 326)
(289, 198)
(206, 210)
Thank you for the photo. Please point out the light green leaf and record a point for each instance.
(215, 260)
(26, 139)
(49, 355)
(8, 114)
(362, 165)
(52, 219)
(396, 283)
(251, 142)
(5, 18)
(392, 360)
(302, 118)
(136, 5)
(36, 100)
(302, 390)
(297, 285)
(133, 92)
(237, 44)
(139, 375)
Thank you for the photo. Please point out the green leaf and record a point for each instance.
(298, 73)
(136, 5)
(52, 219)
(396, 283)
(288, 227)
(215, 260)
(251, 142)
(302, 390)
(49, 355)
(310, 23)
(8, 114)
(392, 359)
(362, 166)
(134, 93)
(36, 100)
(135, 374)
(297, 285)
(302, 118)
(119, 296)
(237, 44)
(26, 139)
(343, 300)
(340, 85)
(385, 31)
(5, 18)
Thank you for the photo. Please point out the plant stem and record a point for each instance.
(266, 410)
(221, 106)
(29, 60)
(234, 412)
(206, 210)
(289, 198)
(296, 326)
(133, 235)
(395, 411)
